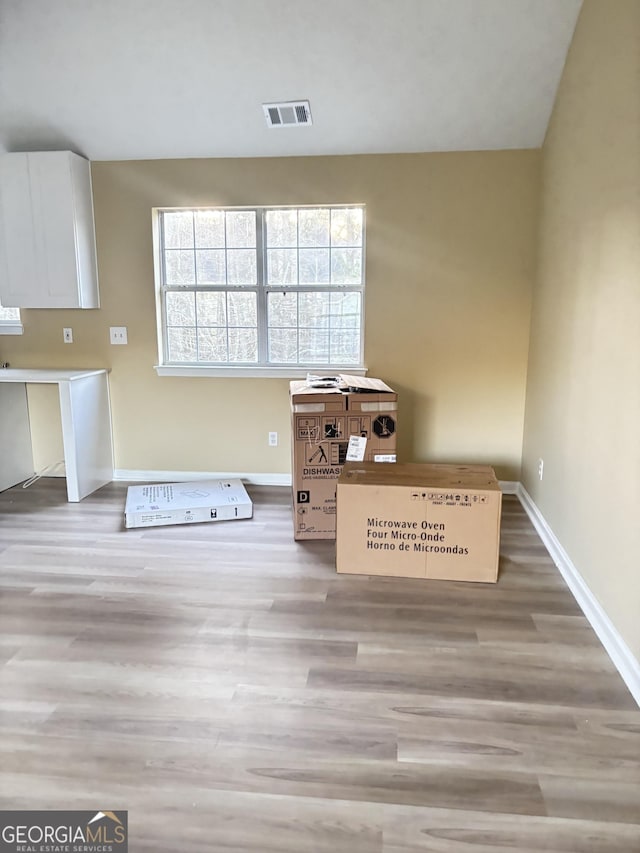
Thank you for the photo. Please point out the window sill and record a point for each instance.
(11, 329)
(256, 372)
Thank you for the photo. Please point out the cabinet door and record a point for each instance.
(85, 232)
(47, 239)
(52, 202)
(18, 252)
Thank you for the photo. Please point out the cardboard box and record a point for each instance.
(186, 503)
(323, 418)
(419, 521)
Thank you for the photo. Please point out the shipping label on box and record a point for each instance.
(423, 521)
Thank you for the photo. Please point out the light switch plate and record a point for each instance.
(118, 334)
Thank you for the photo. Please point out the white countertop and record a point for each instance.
(53, 375)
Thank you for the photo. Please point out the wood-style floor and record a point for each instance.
(225, 686)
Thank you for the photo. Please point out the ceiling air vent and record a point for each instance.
(287, 114)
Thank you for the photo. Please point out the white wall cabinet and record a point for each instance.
(47, 234)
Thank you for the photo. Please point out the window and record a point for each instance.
(268, 287)
(10, 322)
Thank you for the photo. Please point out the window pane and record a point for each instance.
(345, 310)
(282, 227)
(283, 346)
(314, 346)
(212, 344)
(345, 347)
(241, 267)
(179, 267)
(241, 229)
(242, 309)
(209, 229)
(178, 229)
(346, 266)
(181, 344)
(282, 310)
(181, 309)
(212, 309)
(314, 266)
(346, 227)
(243, 345)
(9, 315)
(211, 266)
(282, 266)
(313, 271)
(314, 310)
(314, 227)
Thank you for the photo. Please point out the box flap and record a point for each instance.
(360, 384)
(359, 389)
(439, 476)
(300, 387)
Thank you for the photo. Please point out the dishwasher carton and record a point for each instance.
(325, 413)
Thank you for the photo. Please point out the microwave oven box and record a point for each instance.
(322, 421)
(419, 521)
(186, 503)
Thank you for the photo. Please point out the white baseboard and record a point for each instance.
(188, 476)
(508, 487)
(620, 654)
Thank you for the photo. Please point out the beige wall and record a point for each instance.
(583, 396)
(450, 264)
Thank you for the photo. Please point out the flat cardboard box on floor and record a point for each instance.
(186, 503)
(419, 521)
(322, 421)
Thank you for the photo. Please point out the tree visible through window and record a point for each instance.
(262, 286)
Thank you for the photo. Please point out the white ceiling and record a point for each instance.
(131, 79)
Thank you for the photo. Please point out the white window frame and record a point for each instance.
(10, 325)
(263, 368)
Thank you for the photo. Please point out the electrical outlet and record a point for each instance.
(540, 468)
(118, 334)
(273, 439)
(67, 336)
